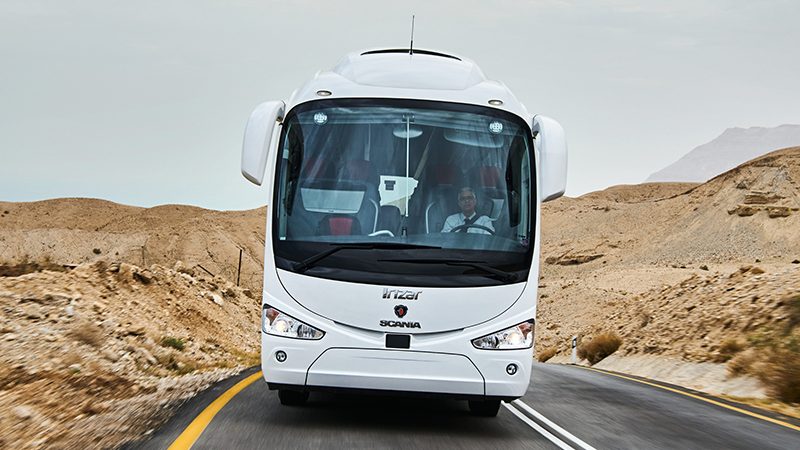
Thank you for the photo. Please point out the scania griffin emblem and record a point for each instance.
(400, 310)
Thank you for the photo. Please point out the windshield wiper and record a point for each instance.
(507, 277)
(310, 262)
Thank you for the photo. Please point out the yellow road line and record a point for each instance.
(707, 400)
(195, 429)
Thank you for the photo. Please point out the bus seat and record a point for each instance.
(436, 197)
(489, 187)
(390, 219)
(338, 225)
(363, 171)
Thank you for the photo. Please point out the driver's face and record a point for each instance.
(466, 201)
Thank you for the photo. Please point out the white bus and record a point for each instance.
(402, 244)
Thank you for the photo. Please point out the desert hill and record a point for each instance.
(747, 213)
(733, 147)
(635, 193)
(686, 273)
(73, 231)
(136, 327)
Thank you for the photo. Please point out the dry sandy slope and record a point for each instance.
(83, 362)
(80, 351)
(665, 262)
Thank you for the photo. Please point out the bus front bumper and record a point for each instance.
(482, 373)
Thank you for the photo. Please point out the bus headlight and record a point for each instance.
(277, 323)
(514, 338)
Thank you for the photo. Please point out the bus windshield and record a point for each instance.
(432, 185)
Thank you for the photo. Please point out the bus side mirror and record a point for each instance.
(552, 146)
(258, 135)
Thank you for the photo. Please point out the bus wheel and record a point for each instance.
(293, 398)
(484, 408)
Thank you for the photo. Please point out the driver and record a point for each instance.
(468, 220)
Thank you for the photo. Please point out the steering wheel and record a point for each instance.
(472, 225)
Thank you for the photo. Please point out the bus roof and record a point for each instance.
(394, 73)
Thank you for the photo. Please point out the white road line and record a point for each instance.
(549, 423)
(561, 444)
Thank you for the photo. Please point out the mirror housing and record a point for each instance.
(552, 145)
(258, 137)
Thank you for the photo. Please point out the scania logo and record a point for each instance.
(400, 310)
(398, 324)
(401, 294)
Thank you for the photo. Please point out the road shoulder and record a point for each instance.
(186, 413)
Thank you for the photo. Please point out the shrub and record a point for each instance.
(170, 362)
(728, 350)
(546, 354)
(742, 363)
(86, 332)
(777, 364)
(26, 266)
(780, 373)
(173, 342)
(793, 305)
(599, 347)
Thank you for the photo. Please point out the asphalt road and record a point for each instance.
(565, 407)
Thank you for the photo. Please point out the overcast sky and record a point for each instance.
(145, 102)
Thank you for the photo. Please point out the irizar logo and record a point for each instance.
(400, 294)
(398, 324)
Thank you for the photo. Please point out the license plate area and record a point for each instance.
(398, 341)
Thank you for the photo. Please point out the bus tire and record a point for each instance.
(484, 408)
(292, 398)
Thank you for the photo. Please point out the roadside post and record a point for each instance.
(239, 270)
(574, 349)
